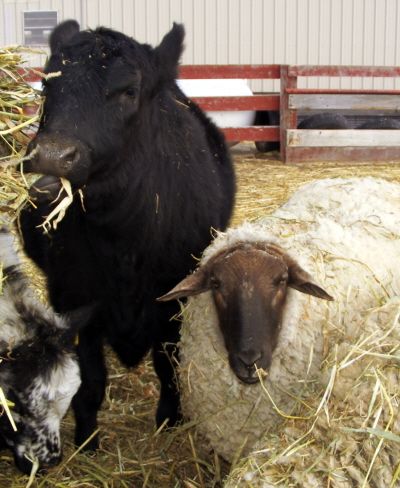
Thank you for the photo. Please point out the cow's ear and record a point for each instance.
(62, 33)
(191, 285)
(169, 51)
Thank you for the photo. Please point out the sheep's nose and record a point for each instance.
(249, 358)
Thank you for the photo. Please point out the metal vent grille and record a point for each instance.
(37, 26)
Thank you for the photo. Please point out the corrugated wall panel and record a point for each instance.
(2, 23)
(189, 21)
(210, 32)
(116, 15)
(128, 15)
(151, 19)
(199, 45)
(222, 22)
(357, 32)
(257, 28)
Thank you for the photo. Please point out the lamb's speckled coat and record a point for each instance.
(346, 234)
(39, 369)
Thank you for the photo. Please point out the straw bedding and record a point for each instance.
(132, 453)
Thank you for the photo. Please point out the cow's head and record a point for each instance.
(102, 88)
(249, 283)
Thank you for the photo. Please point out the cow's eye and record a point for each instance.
(130, 92)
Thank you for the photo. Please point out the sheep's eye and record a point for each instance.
(215, 283)
(282, 280)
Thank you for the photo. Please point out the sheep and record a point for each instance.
(39, 371)
(345, 233)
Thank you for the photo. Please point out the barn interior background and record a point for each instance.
(337, 32)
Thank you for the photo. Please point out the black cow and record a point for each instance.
(324, 120)
(384, 123)
(156, 179)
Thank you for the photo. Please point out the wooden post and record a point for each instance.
(288, 117)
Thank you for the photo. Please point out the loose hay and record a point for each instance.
(19, 103)
(57, 214)
(19, 111)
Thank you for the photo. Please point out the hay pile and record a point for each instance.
(19, 109)
(19, 104)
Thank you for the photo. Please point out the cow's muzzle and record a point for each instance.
(55, 155)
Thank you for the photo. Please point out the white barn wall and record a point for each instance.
(12, 10)
(355, 32)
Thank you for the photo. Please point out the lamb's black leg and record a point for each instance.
(87, 401)
(165, 359)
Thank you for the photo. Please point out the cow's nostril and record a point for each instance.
(68, 153)
(65, 164)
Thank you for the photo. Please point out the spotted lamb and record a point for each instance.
(39, 371)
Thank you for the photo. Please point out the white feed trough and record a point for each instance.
(221, 87)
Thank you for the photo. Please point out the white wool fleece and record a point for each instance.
(346, 234)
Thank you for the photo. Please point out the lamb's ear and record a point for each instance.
(62, 33)
(300, 280)
(169, 51)
(191, 285)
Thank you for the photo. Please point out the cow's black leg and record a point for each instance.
(86, 403)
(165, 359)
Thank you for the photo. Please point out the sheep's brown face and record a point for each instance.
(249, 305)
(249, 283)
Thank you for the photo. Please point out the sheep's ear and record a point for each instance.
(300, 280)
(191, 285)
